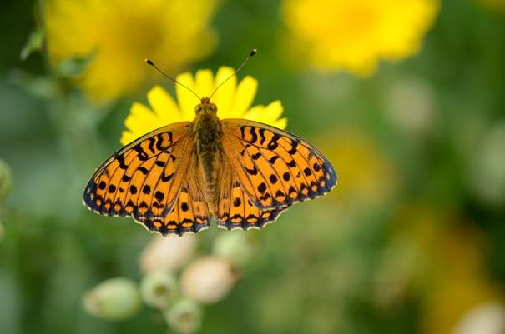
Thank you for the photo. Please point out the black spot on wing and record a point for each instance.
(166, 178)
(141, 154)
(251, 221)
(262, 136)
(120, 158)
(143, 170)
(254, 137)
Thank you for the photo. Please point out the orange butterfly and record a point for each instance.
(180, 177)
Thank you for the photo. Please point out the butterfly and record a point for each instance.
(179, 178)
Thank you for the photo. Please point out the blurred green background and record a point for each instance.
(410, 241)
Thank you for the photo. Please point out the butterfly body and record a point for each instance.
(238, 173)
(209, 149)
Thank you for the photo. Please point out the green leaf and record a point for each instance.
(34, 44)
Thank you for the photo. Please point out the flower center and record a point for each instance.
(135, 34)
(357, 19)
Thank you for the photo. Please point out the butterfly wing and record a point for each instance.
(190, 212)
(236, 211)
(142, 179)
(275, 168)
(156, 179)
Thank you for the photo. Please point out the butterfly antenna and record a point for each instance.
(251, 54)
(151, 63)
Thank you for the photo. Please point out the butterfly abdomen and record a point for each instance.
(208, 145)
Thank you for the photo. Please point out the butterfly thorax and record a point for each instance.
(207, 135)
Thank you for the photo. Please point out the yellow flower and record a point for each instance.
(445, 256)
(232, 101)
(120, 34)
(360, 161)
(353, 35)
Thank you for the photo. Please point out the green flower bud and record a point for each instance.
(115, 299)
(158, 288)
(208, 279)
(5, 179)
(487, 166)
(184, 317)
(484, 318)
(234, 246)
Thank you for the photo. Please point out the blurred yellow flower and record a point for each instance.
(120, 34)
(232, 101)
(447, 261)
(369, 177)
(460, 281)
(353, 35)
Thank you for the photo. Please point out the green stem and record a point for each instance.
(45, 51)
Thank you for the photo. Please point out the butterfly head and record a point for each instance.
(205, 107)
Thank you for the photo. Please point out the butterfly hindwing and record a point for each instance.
(143, 178)
(275, 168)
(236, 211)
(189, 213)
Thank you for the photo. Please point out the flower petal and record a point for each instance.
(273, 111)
(255, 113)
(268, 115)
(187, 100)
(204, 83)
(127, 137)
(163, 106)
(244, 96)
(355, 35)
(231, 102)
(174, 33)
(140, 121)
(281, 123)
(224, 96)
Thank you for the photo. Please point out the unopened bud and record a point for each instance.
(184, 317)
(158, 288)
(234, 246)
(167, 253)
(208, 279)
(115, 299)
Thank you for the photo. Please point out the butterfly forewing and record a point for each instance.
(142, 179)
(274, 167)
